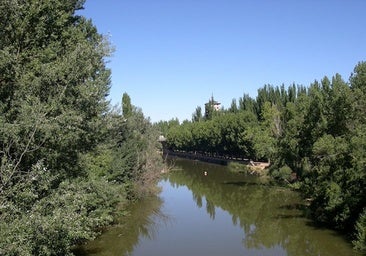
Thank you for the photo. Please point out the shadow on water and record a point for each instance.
(289, 216)
(143, 220)
(270, 216)
(296, 210)
(271, 220)
(241, 183)
(295, 206)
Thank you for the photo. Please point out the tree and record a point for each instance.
(318, 132)
(233, 107)
(265, 136)
(333, 140)
(197, 115)
(209, 111)
(246, 103)
(126, 105)
(53, 71)
(339, 112)
(53, 114)
(211, 108)
(358, 87)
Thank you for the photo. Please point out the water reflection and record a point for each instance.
(269, 216)
(216, 212)
(143, 221)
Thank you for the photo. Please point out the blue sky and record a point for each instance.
(172, 55)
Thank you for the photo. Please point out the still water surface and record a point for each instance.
(221, 213)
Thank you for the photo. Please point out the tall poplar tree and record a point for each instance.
(53, 83)
(197, 115)
(126, 105)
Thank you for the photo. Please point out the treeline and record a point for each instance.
(69, 161)
(315, 133)
(224, 135)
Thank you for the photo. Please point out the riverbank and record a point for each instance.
(239, 164)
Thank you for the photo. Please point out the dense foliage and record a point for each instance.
(67, 159)
(315, 134)
(222, 135)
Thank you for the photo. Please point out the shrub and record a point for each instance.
(282, 174)
(70, 214)
(360, 241)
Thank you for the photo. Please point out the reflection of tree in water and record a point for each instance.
(269, 216)
(144, 219)
(210, 208)
(198, 199)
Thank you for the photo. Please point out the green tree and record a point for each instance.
(317, 132)
(197, 115)
(360, 241)
(52, 71)
(164, 126)
(336, 179)
(210, 108)
(126, 105)
(358, 87)
(266, 135)
(246, 103)
(66, 159)
(233, 107)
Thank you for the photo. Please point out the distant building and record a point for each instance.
(163, 142)
(211, 105)
(216, 105)
(162, 138)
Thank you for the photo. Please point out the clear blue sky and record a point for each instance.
(172, 55)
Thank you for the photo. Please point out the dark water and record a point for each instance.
(221, 213)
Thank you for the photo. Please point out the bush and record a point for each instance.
(360, 241)
(282, 174)
(70, 214)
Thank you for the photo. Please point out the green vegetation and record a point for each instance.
(238, 168)
(123, 238)
(224, 134)
(313, 136)
(67, 160)
(254, 170)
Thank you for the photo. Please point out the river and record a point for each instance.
(204, 209)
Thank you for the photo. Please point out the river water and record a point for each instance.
(205, 209)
